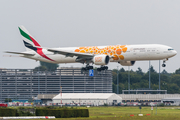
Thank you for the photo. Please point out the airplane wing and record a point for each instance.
(21, 53)
(81, 57)
(71, 54)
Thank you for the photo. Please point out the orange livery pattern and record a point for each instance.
(115, 51)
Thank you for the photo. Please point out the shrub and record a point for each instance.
(7, 112)
(22, 113)
(63, 113)
(105, 104)
(161, 105)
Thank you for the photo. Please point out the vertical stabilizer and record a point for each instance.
(29, 42)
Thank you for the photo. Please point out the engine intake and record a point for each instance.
(127, 63)
(101, 60)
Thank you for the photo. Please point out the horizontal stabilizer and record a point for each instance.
(21, 53)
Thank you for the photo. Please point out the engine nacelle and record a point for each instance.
(101, 60)
(127, 63)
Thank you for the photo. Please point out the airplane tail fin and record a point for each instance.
(29, 42)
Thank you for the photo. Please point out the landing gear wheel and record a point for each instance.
(102, 68)
(90, 67)
(84, 69)
(163, 65)
(106, 67)
(87, 68)
(98, 69)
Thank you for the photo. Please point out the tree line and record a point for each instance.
(140, 80)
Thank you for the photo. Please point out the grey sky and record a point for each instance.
(66, 23)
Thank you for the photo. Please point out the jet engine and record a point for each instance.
(101, 60)
(127, 63)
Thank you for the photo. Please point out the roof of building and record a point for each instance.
(176, 98)
(46, 96)
(85, 96)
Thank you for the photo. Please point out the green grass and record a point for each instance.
(123, 113)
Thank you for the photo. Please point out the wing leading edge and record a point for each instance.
(71, 54)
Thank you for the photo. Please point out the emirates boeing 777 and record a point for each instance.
(126, 55)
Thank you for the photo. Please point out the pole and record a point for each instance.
(117, 81)
(38, 80)
(159, 76)
(8, 97)
(128, 79)
(149, 75)
(156, 108)
(8, 100)
(61, 95)
(33, 104)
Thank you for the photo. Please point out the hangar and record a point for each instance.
(88, 98)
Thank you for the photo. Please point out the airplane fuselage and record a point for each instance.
(119, 53)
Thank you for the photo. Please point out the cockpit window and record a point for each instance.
(170, 49)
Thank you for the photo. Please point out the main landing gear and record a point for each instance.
(102, 68)
(87, 67)
(98, 69)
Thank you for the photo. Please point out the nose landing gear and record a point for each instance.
(164, 65)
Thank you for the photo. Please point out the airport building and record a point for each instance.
(27, 83)
(148, 97)
(94, 99)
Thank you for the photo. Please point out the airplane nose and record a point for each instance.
(174, 52)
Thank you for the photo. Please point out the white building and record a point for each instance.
(147, 97)
(171, 101)
(88, 98)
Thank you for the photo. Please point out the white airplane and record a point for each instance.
(126, 55)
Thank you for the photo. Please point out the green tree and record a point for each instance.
(135, 78)
(173, 88)
(114, 88)
(165, 78)
(40, 68)
(152, 69)
(49, 66)
(139, 79)
(164, 72)
(177, 71)
(8, 100)
(175, 79)
(139, 71)
(122, 70)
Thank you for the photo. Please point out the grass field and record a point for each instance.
(123, 113)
